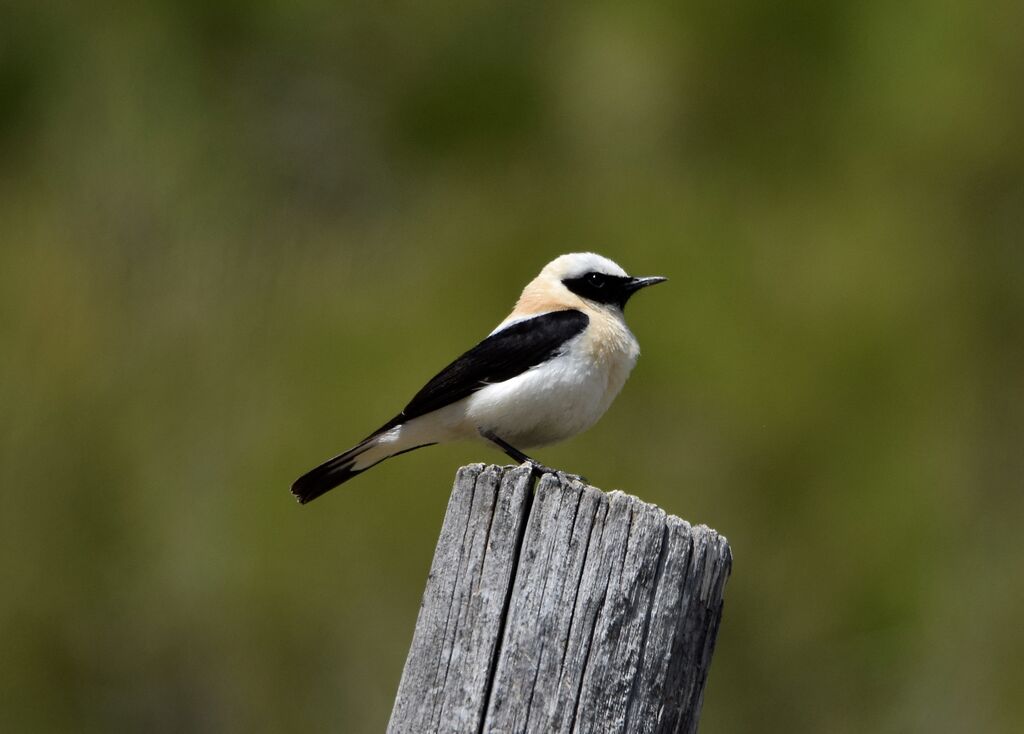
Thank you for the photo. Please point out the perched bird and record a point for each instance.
(546, 373)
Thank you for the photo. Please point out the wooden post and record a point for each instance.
(571, 610)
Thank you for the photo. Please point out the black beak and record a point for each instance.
(632, 285)
(635, 284)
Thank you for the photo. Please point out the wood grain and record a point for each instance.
(562, 610)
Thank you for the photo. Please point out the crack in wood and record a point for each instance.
(561, 609)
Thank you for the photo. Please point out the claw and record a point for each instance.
(564, 477)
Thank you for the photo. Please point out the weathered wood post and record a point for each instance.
(572, 610)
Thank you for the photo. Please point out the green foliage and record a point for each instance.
(237, 236)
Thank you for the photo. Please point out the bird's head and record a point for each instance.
(583, 275)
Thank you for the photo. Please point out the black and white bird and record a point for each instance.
(545, 374)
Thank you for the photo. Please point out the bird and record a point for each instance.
(546, 373)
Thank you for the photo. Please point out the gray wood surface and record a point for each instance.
(561, 610)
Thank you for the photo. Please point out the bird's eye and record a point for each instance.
(595, 280)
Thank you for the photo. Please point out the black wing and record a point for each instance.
(499, 357)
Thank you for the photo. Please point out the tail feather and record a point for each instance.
(328, 475)
(380, 445)
(333, 472)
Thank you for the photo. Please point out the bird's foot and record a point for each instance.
(536, 467)
(565, 477)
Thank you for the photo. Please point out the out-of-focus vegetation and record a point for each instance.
(236, 236)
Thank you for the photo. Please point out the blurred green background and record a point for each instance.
(236, 236)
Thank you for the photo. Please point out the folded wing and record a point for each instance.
(501, 356)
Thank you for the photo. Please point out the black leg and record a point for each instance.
(538, 468)
(507, 447)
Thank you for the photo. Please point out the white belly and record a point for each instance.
(549, 403)
(559, 398)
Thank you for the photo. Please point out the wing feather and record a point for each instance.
(501, 356)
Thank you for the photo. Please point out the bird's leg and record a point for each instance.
(538, 468)
(514, 452)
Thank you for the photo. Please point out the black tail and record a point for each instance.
(328, 475)
(339, 470)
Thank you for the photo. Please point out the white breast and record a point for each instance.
(563, 396)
